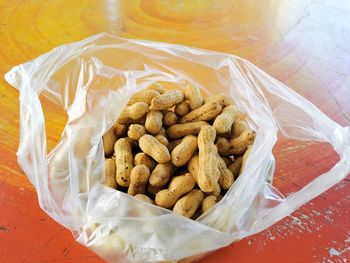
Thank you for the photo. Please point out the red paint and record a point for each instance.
(303, 43)
(27, 234)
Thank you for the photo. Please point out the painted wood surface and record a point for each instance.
(303, 43)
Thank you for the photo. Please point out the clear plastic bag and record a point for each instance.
(92, 81)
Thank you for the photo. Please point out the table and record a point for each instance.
(303, 43)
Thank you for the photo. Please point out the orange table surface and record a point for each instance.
(305, 44)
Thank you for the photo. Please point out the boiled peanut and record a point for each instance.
(180, 172)
(182, 108)
(179, 186)
(108, 142)
(208, 203)
(138, 179)
(152, 147)
(173, 144)
(183, 152)
(162, 132)
(144, 198)
(180, 130)
(136, 131)
(154, 122)
(120, 129)
(133, 112)
(197, 214)
(142, 158)
(226, 178)
(145, 95)
(157, 87)
(162, 139)
(227, 160)
(207, 112)
(208, 172)
(153, 190)
(186, 115)
(224, 121)
(221, 98)
(109, 176)
(188, 204)
(238, 128)
(235, 167)
(161, 174)
(140, 121)
(124, 161)
(193, 167)
(236, 145)
(245, 157)
(194, 97)
(216, 190)
(169, 118)
(167, 100)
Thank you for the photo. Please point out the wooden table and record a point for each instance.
(305, 44)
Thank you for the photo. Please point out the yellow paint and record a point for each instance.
(260, 31)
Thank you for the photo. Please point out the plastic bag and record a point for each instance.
(92, 81)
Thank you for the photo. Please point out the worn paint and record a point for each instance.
(305, 44)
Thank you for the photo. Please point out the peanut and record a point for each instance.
(161, 174)
(144, 198)
(169, 118)
(194, 217)
(193, 167)
(109, 178)
(194, 97)
(162, 132)
(173, 144)
(157, 87)
(183, 152)
(140, 121)
(179, 186)
(136, 131)
(167, 100)
(138, 179)
(180, 172)
(168, 158)
(133, 112)
(162, 139)
(245, 157)
(207, 112)
(120, 129)
(180, 130)
(226, 178)
(108, 142)
(124, 161)
(154, 122)
(238, 128)
(235, 167)
(152, 147)
(142, 158)
(208, 172)
(188, 204)
(227, 160)
(221, 98)
(236, 145)
(216, 190)
(224, 121)
(182, 108)
(153, 190)
(208, 203)
(145, 95)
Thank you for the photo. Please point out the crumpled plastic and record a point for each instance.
(92, 80)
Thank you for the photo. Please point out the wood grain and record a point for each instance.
(305, 44)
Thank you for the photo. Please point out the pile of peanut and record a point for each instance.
(177, 150)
